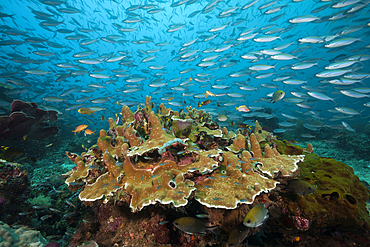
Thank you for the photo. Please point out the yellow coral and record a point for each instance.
(167, 169)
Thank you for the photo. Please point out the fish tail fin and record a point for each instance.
(274, 66)
(335, 103)
(213, 228)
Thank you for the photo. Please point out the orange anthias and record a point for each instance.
(80, 128)
(89, 132)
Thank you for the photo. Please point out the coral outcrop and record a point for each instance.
(14, 187)
(26, 120)
(168, 165)
(20, 237)
(168, 159)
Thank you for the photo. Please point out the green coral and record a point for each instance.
(340, 197)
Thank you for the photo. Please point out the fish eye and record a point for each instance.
(248, 221)
(176, 223)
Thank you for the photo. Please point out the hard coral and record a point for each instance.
(14, 187)
(26, 119)
(167, 169)
(339, 199)
(20, 237)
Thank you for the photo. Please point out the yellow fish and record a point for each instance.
(210, 94)
(242, 108)
(278, 95)
(257, 215)
(85, 110)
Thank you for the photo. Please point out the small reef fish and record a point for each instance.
(192, 225)
(85, 110)
(300, 187)
(244, 126)
(80, 128)
(10, 154)
(257, 215)
(238, 235)
(69, 214)
(54, 210)
(89, 132)
(278, 95)
(206, 102)
(210, 94)
(242, 108)
(222, 117)
(202, 216)
(24, 213)
(49, 145)
(70, 203)
(45, 217)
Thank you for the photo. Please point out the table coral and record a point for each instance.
(168, 159)
(161, 165)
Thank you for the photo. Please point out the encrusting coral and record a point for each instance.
(168, 165)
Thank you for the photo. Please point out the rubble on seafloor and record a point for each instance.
(175, 161)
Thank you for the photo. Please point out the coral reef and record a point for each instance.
(176, 160)
(340, 198)
(168, 168)
(117, 226)
(14, 187)
(338, 201)
(20, 237)
(27, 121)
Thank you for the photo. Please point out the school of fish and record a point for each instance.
(306, 60)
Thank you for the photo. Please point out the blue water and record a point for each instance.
(105, 18)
